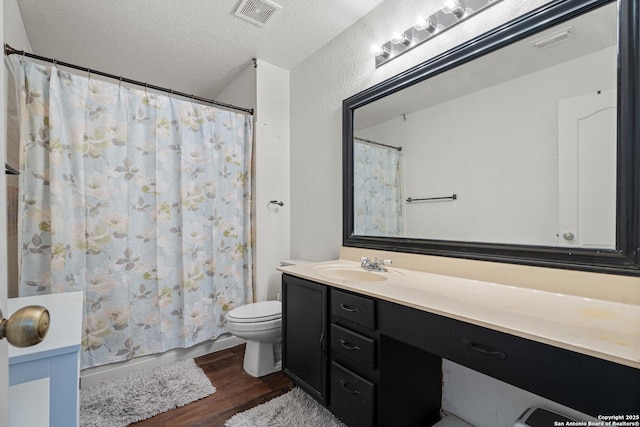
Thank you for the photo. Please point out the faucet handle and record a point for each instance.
(386, 262)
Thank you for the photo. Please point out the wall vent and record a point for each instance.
(553, 38)
(257, 12)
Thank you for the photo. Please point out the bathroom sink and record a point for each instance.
(350, 274)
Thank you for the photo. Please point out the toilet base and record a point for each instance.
(259, 359)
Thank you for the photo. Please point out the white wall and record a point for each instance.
(340, 69)
(486, 402)
(266, 89)
(242, 90)
(14, 32)
(272, 177)
(470, 157)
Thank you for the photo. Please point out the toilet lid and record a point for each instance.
(257, 312)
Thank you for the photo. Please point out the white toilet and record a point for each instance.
(261, 325)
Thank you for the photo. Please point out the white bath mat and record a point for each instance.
(121, 401)
(294, 409)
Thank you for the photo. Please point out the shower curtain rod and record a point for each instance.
(377, 143)
(8, 50)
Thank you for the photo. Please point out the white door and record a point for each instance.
(587, 171)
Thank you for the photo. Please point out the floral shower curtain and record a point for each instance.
(377, 190)
(139, 200)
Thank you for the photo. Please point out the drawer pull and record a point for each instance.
(349, 308)
(348, 387)
(349, 346)
(484, 349)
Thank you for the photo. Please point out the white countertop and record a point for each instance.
(65, 328)
(604, 329)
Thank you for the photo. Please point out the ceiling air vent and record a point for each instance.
(256, 11)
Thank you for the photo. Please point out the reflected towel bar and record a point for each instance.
(452, 197)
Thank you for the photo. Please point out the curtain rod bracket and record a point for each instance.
(8, 50)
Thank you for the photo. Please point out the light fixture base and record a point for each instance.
(440, 21)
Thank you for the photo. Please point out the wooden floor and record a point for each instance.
(236, 391)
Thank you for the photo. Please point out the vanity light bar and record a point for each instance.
(425, 28)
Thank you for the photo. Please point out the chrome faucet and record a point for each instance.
(374, 265)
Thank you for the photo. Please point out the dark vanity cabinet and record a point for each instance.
(332, 349)
(376, 380)
(588, 384)
(377, 363)
(354, 374)
(304, 335)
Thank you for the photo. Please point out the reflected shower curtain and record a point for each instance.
(377, 192)
(139, 200)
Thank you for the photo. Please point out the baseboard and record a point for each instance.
(93, 375)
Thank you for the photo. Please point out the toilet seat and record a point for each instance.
(264, 311)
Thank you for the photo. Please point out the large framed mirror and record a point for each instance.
(519, 146)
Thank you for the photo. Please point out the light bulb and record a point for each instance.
(400, 38)
(380, 50)
(424, 25)
(453, 7)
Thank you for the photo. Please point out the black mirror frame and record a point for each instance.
(625, 259)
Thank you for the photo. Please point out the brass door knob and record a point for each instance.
(26, 327)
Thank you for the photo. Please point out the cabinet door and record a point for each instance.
(304, 335)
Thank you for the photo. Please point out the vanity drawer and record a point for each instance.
(352, 397)
(576, 380)
(354, 308)
(353, 347)
(579, 381)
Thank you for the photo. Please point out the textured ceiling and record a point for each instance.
(192, 46)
